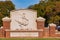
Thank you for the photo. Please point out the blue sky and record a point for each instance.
(24, 3)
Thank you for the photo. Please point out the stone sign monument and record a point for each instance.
(24, 23)
(23, 19)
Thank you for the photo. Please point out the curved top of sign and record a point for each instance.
(23, 9)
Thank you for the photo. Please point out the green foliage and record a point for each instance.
(54, 19)
(5, 8)
(39, 7)
(50, 10)
(53, 0)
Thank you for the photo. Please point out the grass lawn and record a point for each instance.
(29, 38)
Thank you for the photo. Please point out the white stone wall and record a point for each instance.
(16, 20)
(24, 34)
(16, 16)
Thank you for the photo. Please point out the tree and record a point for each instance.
(55, 19)
(5, 8)
(48, 9)
(39, 7)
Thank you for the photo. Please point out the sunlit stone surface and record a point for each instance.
(23, 19)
